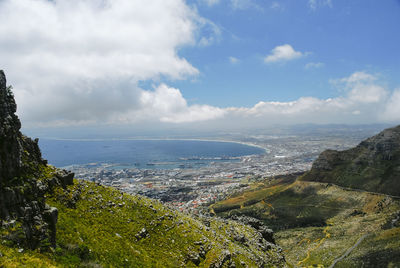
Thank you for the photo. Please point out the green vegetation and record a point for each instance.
(101, 227)
(374, 165)
(316, 223)
(381, 249)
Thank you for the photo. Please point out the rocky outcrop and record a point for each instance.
(374, 165)
(267, 233)
(10, 137)
(24, 215)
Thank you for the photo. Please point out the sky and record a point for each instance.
(201, 64)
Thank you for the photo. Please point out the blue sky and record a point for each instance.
(216, 65)
(339, 38)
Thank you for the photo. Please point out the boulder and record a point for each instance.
(65, 177)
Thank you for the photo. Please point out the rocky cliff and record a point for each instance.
(25, 218)
(374, 165)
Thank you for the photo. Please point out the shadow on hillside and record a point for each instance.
(292, 209)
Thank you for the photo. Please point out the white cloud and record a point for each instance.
(358, 77)
(80, 61)
(364, 101)
(214, 33)
(94, 38)
(392, 111)
(233, 60)
(314, 65)
(361, 87)
(367, 93)
(282, 53)
(314, 4)
(168, 105)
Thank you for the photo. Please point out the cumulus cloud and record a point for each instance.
(282, 53)
(392, 111)
(168, 105)
(367, 93)
(80, 61)
(358, 77)
(91, 39)
(364, 100)
(361, 87)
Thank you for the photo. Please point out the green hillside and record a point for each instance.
(344, 212)
(374, 165)
(316, 223)
(101, 227)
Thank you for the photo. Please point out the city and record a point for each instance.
(188, 189)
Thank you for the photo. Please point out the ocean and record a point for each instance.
(144, 154)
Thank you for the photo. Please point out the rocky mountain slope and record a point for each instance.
(22, 203)
(49, 219)
(344, 212)
(374, 165)
(322, 224)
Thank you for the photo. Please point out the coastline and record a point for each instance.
(165, 139)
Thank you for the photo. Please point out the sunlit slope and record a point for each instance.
(316, 223)
(101, 227)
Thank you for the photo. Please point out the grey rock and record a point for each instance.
(21, 194)
(142, 234)
(51, 215)
(267, 234)
(240, 238)
(65, 177)
(194, 257)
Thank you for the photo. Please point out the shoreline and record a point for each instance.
(165, 139)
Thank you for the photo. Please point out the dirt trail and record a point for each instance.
(327, 235)
(348, 251)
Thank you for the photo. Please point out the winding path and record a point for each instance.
(327, 235)
(348, 251)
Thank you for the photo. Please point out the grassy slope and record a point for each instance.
(318, 222)
(99, 228)
(373, 165)
(380, 176)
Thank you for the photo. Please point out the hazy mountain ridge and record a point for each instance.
(373, 165)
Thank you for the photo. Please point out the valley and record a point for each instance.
(316, 223)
